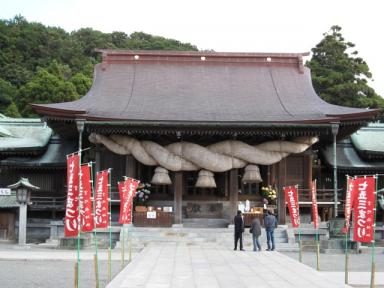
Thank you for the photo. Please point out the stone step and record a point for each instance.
(205, 223)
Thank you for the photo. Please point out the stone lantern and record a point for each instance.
(23, 196)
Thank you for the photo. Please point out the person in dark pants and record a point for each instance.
(239, 229)
(270, 224)
(256, 232)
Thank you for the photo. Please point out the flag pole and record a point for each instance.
(96, 256)
(373, 266)
(300, 244)
(80, 127)
(317, 231)
(346, 275)
(123, 238)
(110, 227)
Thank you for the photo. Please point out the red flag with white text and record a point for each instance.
(129, 188)
(293, 204)
(315, 213)
(363, 206)
(85, 199)
(101, 199)
(349, 196)
(71, 227)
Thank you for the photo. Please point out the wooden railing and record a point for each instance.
(323, 195)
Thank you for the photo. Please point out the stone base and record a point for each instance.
(337, 246)
(71, 242)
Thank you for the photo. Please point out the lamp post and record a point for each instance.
(23, 197)
(335, 130)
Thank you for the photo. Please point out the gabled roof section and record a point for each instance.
(208, 87)
(349, 160)
(23, 135)
(369, 141)
(53, 157)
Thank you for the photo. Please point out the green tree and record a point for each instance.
(44, 88)
(81, 83)
(339, 76)
(7, 96)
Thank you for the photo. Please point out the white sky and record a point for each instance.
(223, 25)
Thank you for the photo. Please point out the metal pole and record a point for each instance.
(80, 127)
(335, 129)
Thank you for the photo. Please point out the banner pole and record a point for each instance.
(346, 256)
(346, 276)
(317, 251)
(122, 249)
(110, 228)
(300, 243)
(80, 127)
(373, 266)
(96, 256)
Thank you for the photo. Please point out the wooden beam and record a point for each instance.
(233, 193)
(130, 166)
(281, 182)
(178, 196)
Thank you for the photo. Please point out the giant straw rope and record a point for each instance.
(218, 157)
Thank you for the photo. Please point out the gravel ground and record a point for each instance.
(48, 274)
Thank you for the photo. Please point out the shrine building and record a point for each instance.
(207, 129)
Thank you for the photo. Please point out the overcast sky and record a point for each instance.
(223, 25)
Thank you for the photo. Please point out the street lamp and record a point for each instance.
(23, 197)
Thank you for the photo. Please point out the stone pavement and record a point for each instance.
(174, 265)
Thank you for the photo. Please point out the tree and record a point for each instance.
(44, 88)
(341, 77)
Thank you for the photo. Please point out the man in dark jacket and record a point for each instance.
(270, 224)
(256, 232)
(239, 229)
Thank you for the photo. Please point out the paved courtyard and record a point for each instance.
(181, 265)
(178, 265)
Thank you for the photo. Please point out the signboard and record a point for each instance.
(151, 215)
(5, 191)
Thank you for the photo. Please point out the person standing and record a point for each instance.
(270, 224)
(256, 232)
(239, 229)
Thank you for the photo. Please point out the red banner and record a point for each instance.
(364, 204)
(71, 227)
(101, 200)
(293, 204)
(127, 191)
(123, 195)
(85, 199)
(349, 196)
(315, 214)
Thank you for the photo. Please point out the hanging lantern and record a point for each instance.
(252, 174)
(205, 180)
(161, 177)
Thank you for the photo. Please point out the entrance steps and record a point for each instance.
(143, 236)
(205, 223)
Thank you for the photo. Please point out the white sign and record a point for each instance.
(5, 191)
(151, 215)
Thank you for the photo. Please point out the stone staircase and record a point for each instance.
(140, 237)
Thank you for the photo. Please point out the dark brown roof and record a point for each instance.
(184, 87)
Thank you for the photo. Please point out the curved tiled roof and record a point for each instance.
(209, 87)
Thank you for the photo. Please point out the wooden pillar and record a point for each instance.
(130, 166)
(233, 193)
(308, 170)
(97, 158)
(281, 182)
(178, 196)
